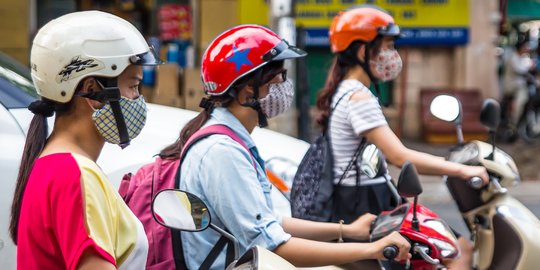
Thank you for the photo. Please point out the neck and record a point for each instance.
(358, 73)
(78, 135)
(247, 116)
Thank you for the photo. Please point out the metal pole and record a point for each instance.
(283, 23)
(302, 85)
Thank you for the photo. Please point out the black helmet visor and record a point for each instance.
(283, 51)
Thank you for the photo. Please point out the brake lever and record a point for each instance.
(423, 253)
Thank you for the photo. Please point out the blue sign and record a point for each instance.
(409, 36)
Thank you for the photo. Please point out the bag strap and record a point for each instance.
(354, 158)
(357, 151)
(178, 251)
(203, 133)
(339, 100)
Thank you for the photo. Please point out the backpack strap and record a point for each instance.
(178, 251)
(354, 158)
(356, 152)
(205, 132)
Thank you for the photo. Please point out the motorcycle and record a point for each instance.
(432, 241)
(504, 232)
(529, 122)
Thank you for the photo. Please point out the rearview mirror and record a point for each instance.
(180, 210)
(446, 108)
(408, 182)
(490, 114)
(371, 164)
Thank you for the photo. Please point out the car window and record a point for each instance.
(16, 88)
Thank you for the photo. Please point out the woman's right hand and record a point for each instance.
(393, 239)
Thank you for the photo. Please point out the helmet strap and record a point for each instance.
(254, 103)
(365, 65)
(111, 94)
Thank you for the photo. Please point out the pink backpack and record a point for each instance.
(165, 251)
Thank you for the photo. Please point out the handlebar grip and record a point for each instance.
(390, 252)
(476, 182)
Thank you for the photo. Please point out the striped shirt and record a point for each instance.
(349, 120)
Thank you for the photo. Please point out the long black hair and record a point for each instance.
(35, 142)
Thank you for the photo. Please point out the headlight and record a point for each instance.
(503, 158)
(447, 249)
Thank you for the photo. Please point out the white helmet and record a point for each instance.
(81, 44)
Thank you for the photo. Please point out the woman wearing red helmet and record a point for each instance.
(362, 39)
(245, 83)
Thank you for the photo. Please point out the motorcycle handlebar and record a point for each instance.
(390, 252)
(476, 182)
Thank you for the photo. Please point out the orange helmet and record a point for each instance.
(363, 23)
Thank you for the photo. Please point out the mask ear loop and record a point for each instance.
(365, 64)
(255, 104)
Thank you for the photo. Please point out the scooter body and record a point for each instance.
(505, 232)
(433, 237)
(432, 241)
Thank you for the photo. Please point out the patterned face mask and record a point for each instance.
(387, 65)
(134, 112)
(279, 98)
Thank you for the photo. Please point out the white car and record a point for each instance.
(282, 153)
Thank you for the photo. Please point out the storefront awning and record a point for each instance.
(523, 10)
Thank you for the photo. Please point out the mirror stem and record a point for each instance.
(393, 189)
(492, 137)
(459, 132)
(228, 236)
(414, 221)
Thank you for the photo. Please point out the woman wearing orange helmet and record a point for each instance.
(245, 83)
(362, 39)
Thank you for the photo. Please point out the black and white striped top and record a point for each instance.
(348, 121)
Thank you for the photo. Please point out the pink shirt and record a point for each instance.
(69, 206)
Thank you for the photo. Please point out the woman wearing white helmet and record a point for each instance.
(86, 66)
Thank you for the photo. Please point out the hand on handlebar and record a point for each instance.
(391, 241)
(359, 229)
(470, 172)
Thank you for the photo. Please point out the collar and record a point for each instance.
(224, 116)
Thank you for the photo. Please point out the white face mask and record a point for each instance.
(279, 98)
(386, 65)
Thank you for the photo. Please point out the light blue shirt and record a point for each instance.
(220, 172)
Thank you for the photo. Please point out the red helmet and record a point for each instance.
(239, 51)
(363, 23)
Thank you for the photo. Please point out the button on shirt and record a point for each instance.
(221, 172)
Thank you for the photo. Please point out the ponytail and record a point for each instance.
(341, 64)
(174, 150)
(35, 142)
